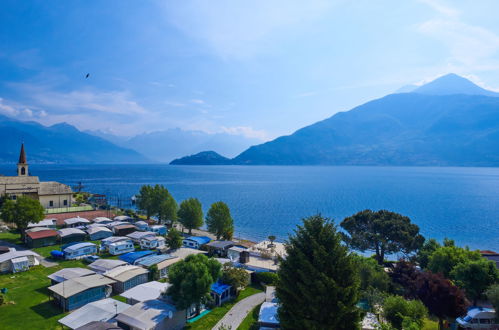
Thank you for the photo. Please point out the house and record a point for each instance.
(47, 223)
(103, 265)
(267, 318)
(143, 292)
(219, 248)
(69, 273)
(138, 235)
(79, 291)
(162, 261)
(76, 222)
(158, 229)
(220, 293)
(79, 250)
(49, 194)
(479, 318)
(95, 225)
(102, 310)
(18, 261)
(268, 249)
(99, 325)
(123, 230)
(121, 247)
(112, 239)
(41, 238)
(152, 242)
(133, 257)
(195, 242)
(152, 315)
(68, 235)
(96, 233)
(102, 220)
(141, 225)
(491, 255)
(234, 252)
(116, 223)
(126, 277)
(124, 218)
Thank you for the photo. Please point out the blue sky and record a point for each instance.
(258, 68)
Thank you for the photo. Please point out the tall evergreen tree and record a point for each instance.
(318, 284)
(191, 214)
(219, 221)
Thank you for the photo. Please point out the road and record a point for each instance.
(238, 312)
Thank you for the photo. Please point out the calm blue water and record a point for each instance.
(460, 203)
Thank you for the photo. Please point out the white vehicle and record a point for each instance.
(121, 247)
(479, 318)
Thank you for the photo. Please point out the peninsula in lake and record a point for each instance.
(447, 122)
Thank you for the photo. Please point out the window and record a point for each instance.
(14, 197)
(51, 203)
(23, 171)
(484, 321)
(65, 202)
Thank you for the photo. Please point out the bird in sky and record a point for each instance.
(88, 75)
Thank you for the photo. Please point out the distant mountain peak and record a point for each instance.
(451, 84)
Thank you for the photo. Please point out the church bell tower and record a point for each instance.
(22, 165)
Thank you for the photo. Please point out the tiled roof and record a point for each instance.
(42, 234)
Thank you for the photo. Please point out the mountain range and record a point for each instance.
(447, 122)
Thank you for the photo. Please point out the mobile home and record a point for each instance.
(121, 247)
(79, 250)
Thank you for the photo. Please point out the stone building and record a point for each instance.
(50, 194)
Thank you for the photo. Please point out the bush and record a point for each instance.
(397, 311)
(267, 278)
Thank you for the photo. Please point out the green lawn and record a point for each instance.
(209, 320)
(11, 237)
(250, 322)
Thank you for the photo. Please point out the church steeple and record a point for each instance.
(22, 166)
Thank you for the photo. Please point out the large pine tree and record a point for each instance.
(318, 285)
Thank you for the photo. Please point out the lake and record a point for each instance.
(455, 202)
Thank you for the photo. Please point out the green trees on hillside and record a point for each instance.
(22, 211)
(475, 276)
(157, 201)
(219, 221)
(191, 214)
(382, 232)
(318, 282)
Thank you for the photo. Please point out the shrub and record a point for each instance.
(267, 278)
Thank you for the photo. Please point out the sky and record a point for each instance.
(260, 68)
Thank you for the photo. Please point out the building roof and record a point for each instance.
(77, 246)
(199, 239)
(69, 273)
(43, 223)
(146, 291)
(114, 239)
(70, 231)
(268, 313)
(102, 219)
(141, 223)
(104, 265)
(153, 259)
(117, 223)
(72, 221)
(220, 244)
(219, 287)
(132, 257)
(146, 314)
(122, 218)
(238, 249)
(137, 235)
(488, 253)
(53, 188)
(124, 273)
(79, 284)
(99, 325)
(22, 155)
(101, 310)
(35, 229)
(184, 252)
(157, 226)
(153, 238)
(16, 254)
(275, 248)
(94, 225)
(96, 229)
(41, 234)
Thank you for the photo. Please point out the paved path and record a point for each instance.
(44, 261)
(238, 312)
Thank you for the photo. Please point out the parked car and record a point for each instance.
(478, 318)
(90, 259)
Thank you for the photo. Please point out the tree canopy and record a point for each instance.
(22, 211)
(238, 278)
(219, 221)
(445, 258)
(157, 201)
(492, 294)
(396, 310)
(191, 280)
(191, 214)
(372, 275)
(475, 276)
(174, 239)
(318, 281)
(382, 232)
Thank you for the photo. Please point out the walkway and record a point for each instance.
(238, 312)
(44, 261)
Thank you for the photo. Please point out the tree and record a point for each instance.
(492, 294)
(166, 207)
(22, 211)
(383, 232)
(404, 278)
(191, 214)
(174, 239)
(396, 310)
(446, 257)
(372, 275)
(443, 299)
(237, 278)
(426, 251)
(318, 283)
(154, 273)
(475, 276)
(145, 201)
(271, 238)
(191, 280)
(219, 221)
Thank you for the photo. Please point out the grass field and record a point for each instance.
(209, 320)
(250, 322)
